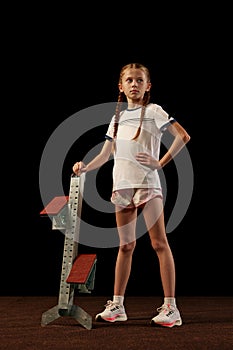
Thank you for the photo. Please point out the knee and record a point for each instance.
(128, 247)
(159, 246)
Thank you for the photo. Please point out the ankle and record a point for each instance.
(118, 299)
(170, 301)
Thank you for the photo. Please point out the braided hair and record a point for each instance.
(121, 97)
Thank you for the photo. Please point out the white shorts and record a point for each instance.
(134, 197)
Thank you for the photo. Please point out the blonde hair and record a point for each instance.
(121, 96)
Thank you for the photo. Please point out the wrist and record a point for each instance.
(161, 164)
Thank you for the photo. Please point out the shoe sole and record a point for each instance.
(119, 318)
(168, 325)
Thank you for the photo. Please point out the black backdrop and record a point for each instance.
(57, 70)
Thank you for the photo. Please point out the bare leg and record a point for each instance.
(154, 219)
(126, 225)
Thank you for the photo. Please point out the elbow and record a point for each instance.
(104, 158)
(186, 138)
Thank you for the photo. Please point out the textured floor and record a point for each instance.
(207, 324)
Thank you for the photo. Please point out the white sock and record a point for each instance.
(170, 301)
(118, 299)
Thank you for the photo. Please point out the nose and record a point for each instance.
(134, 82)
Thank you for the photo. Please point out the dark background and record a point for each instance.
(57, 65)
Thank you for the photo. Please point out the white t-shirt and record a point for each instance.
(127, 172)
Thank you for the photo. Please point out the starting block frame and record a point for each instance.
(78, 270)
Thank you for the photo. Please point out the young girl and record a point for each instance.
(134, 136)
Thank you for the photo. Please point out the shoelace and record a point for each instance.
(109, 304)
(165, 308)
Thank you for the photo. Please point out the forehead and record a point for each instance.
(133, 73)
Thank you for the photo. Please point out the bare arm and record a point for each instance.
(181, 137)
(96, 162)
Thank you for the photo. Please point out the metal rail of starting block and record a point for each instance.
(78, 270)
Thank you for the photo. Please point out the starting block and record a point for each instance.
(57, 210)
(82, 272)
(78, 270)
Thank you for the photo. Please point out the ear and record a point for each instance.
(120, 87)
(148, 87)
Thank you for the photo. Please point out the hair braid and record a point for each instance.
(117, 113)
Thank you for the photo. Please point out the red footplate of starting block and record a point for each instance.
(81, 268)
(56, 204)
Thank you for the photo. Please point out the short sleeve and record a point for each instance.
(162, 119)
(109, 133)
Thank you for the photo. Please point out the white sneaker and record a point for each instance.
(113, 312)
(168, 316)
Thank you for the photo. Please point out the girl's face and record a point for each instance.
(134, 84)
